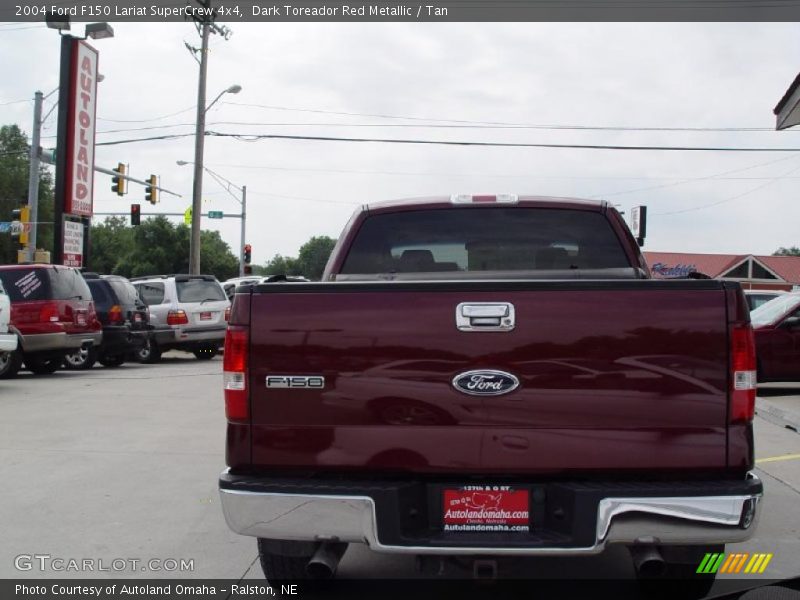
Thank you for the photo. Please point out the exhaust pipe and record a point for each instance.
(647, 561)
(325, 560)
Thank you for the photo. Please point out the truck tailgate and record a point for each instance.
(612, 375)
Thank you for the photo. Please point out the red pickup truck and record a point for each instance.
(488, 376)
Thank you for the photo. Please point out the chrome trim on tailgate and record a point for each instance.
(690, 519)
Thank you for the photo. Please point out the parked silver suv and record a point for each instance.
(187, 312)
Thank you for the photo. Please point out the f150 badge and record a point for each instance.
(485, 383)
(296, 382)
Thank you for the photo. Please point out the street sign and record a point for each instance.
(73, 243)
(5, 226)
(215, 214)
(187, 216)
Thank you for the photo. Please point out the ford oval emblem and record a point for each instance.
(485, 382)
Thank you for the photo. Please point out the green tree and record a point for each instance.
(111, 242)
(14, 174)
(157, 247)
(314, 255)
(793, 251)
(216, 257)
(280, 265)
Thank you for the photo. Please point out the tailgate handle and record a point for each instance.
(485, 316)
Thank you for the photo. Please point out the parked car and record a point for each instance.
(194, 309)
(756, 298)
(8, 338)
(776, 326)
(474, 377)
(53, 312)
(230, 285)
(125, 323)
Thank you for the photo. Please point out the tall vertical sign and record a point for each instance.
(77, 105)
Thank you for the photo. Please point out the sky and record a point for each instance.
(444, 81)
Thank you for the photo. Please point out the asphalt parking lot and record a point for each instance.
(123, 464)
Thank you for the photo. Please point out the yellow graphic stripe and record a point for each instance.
(777, 458)
(765, 563)
(758, 563)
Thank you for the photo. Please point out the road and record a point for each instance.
(123, 464)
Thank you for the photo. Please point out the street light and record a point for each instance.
(199, 140)
(242, 201)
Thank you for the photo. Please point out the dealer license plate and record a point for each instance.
(486, 508)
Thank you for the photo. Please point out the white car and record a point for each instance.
(8, 341)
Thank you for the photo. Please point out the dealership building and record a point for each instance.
(752, 271)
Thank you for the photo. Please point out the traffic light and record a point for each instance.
(248, 270)
(248, 253)
(151, 191)
(20, 225)
(136, 214)
(120, 184)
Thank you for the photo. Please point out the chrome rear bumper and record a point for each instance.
(352, 518)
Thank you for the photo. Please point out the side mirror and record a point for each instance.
(791, 323)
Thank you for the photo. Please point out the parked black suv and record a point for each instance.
(125, 323)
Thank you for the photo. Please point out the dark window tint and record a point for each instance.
(197, 290)
(740, 272)
(126, 293)
(484, 239)
(760, 272)
(100, 293)
(68, 284)
(151, 293)
(26, 284)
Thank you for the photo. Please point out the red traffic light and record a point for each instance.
(136, 213)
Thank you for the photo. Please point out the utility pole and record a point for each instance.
(33, 176)
(199, 140)
(242, 240)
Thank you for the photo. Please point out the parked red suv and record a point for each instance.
(52, 308)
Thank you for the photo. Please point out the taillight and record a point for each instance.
(177, 317)
(228, 314)
(234, 373)
(743, 373)
(49, 313)
(115, 314)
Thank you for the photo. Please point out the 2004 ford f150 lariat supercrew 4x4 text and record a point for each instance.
(487, 376)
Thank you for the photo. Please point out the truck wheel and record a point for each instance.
(278, 567)
(10, 363)
(112, 361)
(679, 577)
(149, 353)
(84, 358)
(43, 366)
(206, 352)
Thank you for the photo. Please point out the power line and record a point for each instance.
(732, 198)
(16, 101)
(501, 123)
(695, 179)
(317, 138)
(21, 28)
(187, 109)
